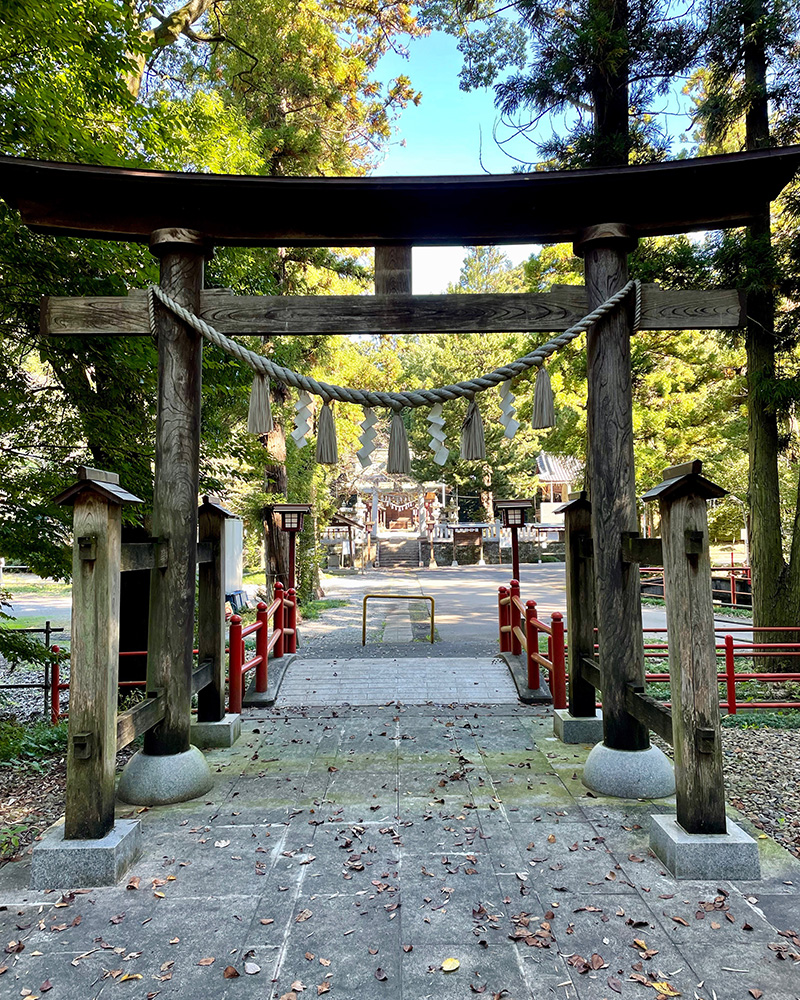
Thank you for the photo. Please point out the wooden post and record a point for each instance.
(699, 781)
(393, 270)
(580, 603)
(612, 483)
(92, 747)
(211, 611)
(180, 354)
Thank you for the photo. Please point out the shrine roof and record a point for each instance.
(676, 196)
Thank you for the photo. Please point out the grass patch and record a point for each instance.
(311, 610)
(255, 576)
(30, 746)
(19, 584)
(786, 719)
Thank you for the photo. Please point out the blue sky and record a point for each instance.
(450, 132)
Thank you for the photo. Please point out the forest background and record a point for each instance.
(294, 88)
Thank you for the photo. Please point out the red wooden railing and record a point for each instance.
(513, 639)
(655, 574)
(283, 613)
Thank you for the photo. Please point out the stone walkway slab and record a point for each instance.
(411, 680)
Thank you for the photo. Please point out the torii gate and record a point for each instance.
(603, 212)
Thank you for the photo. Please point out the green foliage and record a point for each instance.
(548, 60)
(31, 745)
(783, 719)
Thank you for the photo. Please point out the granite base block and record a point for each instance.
(731, 855)
(223, 733)
(573, 729)
(82, 864)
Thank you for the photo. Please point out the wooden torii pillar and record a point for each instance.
(713, 192)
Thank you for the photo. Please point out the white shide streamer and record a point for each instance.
(436, 431)
(368, 435)
(508, 410)
(304, 408)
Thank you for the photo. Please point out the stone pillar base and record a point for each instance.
(82, 864)
(575, 729)
(223, 733)
(629, 774)
(731, 855)
(157, 781)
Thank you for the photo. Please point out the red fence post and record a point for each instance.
(235, 661)
(262, 639)
(278, 620)
(292, 638)
(55, 688)
(515, 618)
(558, 675)
(532, 642)
(730, 675)
(503, 619)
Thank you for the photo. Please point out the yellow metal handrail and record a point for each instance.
(393, 597)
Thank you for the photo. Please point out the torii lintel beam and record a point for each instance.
(677, 196)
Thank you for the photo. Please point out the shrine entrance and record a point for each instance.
(602, 212)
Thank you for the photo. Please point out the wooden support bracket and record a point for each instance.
(87, 548)
(592, 673)
(202, 675)
(641, 550)
(706, 740)
(152, 554)
(83, 745)
(649, 712)
(693, 542)
(139, 719)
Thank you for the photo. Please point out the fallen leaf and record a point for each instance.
(372, 951)
(323, 987)
(665, 989)
(251, 969)
(380, 975)
(298, 986)
(408, 947)
(3, 968)
(175, 940)
(614, 984)
(47, 985)
(289, 996)
(229, 972)
(680, 920)
(756, 994)
(309, 956)
(450, 965)
(133, 882)
(325, 961)
(302, 915)
(130, 975)
(597, 961)
(206, 961)
(14, 946)
(267, 920)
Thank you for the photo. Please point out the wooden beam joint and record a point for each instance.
(693, 542)
(641, 550)
(83, 746)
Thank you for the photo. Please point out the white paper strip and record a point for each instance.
(507, 409)
(368, 435)
(304, 409)
(436, 431)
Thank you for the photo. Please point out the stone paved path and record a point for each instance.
(358, 848)
(374, 681)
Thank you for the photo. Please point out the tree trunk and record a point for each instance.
(776, 588)
(276, 542)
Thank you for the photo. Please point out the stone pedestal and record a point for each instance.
(629, 774)
(152, 780)
(731, 855)
(81, 864)
(223, 733)
(574, 729)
